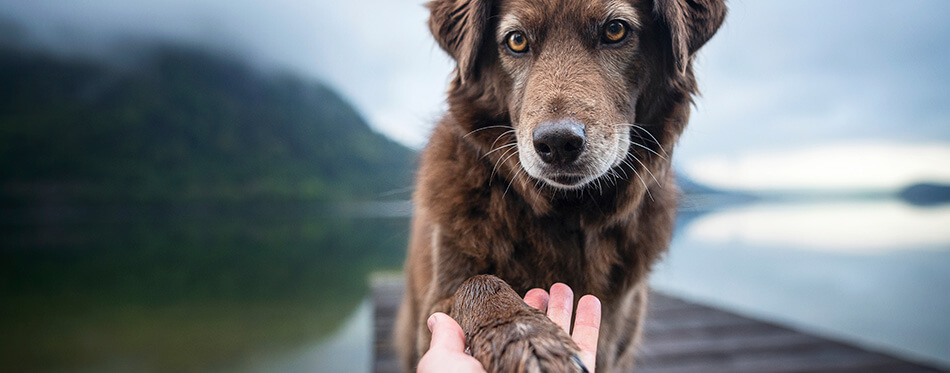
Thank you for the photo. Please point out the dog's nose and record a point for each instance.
(560, 142)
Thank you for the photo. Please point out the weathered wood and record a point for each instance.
(682, 337)
(387, 293)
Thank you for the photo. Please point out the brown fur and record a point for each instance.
(507, 335)
(484, 205)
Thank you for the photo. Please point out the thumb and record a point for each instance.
(446, 333)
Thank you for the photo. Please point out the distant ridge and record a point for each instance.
(689, 186)
(926, 194)
(698, 197)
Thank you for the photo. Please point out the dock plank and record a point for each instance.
(685, 337)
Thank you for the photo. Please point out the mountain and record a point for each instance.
(687, 185)
(176, 124)
(926, 194)
(700, 197)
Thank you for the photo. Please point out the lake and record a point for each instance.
(181, 289)
(873, 272)
(279, 288)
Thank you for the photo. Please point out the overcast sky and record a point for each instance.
(781, 81)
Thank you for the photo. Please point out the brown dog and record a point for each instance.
(553, 161)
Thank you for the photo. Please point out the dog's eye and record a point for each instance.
(615, 32)
(517, 42)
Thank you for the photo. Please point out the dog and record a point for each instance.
(552, 163)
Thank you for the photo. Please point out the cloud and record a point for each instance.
(870, 166)
(377, 53)
(787, 75)
(778, 75)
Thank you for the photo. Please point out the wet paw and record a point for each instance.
(507, 335)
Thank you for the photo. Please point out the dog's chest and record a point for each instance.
(555, 250)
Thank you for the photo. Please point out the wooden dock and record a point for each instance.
(682, 336)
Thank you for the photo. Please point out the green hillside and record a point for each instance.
(180, 125)
(98, 276)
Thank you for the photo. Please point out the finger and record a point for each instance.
(537, 298)
(446, 333)
(587, 329)
(561, 305)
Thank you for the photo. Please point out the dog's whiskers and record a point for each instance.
(590, 171)
(500, 136)
(639, 128)
(500, 148)
(609, 179)
(624, 163)
(629, 164)
(509, 174)
(648, 149)
(648, 170)
(486, 128)
(518, 171)
(496, 141)
(501, 160)
(614, 177)
(644, 185)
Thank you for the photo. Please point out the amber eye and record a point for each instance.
(517, 42)
(615, 32)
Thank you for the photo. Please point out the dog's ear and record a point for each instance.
(691, 24)
(459, 26)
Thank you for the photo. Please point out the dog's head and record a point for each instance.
(572, 77)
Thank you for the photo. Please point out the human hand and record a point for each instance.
(447, 346)
(559, 306)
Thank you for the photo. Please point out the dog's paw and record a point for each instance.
(507, 335)
(525, 344)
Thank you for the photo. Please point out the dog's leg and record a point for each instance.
(450, 265)
(624, 332)
(404, 336)
(440, 298)
(423, 336)
(424, 296)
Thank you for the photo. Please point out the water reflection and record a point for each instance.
(284, 288)
(349, 350)
(182, 291)
(859, 227)
(873, 272)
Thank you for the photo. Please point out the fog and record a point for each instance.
(779, 76)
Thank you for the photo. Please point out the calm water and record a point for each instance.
(872, 272)
(254, 289)
(215, 289)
